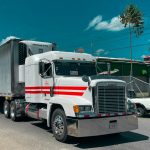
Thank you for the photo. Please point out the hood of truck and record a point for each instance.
(93, 83)
(73, 89)
(93, 80)
(105, 79)
(81, 90)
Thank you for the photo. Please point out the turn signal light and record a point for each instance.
(76, 108)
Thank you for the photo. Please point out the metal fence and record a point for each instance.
(136, 87)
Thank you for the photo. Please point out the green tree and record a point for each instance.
(132, 18)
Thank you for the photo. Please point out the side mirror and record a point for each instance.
(41, 69)
(85, 78)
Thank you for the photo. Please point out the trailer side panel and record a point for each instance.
(5, 69)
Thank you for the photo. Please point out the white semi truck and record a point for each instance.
(64, 89)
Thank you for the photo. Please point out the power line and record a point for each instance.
(106, 40)
(137, 45)
(103, 40)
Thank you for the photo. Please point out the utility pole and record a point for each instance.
(92, 47)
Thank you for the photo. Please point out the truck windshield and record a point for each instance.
(75, 68)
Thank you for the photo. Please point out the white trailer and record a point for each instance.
(64, 89)
(12, 69)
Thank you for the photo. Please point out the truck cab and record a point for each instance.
(64, 89)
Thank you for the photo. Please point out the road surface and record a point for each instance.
(33, 135)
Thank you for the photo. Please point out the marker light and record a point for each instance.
(76, 109)
(83, 108)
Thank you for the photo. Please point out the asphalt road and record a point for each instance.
(33, 135)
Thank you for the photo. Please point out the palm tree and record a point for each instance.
(132, 18)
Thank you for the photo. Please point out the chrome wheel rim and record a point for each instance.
(12, 113)
(58, 125)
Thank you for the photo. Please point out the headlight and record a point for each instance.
(85, 108)
(131, 106)
(82, 108)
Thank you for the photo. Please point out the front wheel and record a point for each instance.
(59, 125)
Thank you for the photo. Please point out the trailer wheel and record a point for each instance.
(13, 111)
(141, 111)
(6, 109)
(59, 125)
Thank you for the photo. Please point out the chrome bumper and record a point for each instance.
(101, 126)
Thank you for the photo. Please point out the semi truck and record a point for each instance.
(63, 89)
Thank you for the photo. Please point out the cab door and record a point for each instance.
(46, 71)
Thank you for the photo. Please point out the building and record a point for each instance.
(147, 59)
(120, 67)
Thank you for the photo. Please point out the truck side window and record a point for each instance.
(22, 53)
(45, 69)
(48, 69)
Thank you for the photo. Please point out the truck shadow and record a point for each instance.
(1, 108)
(42, 125)
(1, 111)
(109, 140)
(99, 141)
(146, 116)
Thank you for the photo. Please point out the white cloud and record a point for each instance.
(101, 52)
(111, 25)
(106, 52)
(143, 56)
(94, 22)
(7, 39)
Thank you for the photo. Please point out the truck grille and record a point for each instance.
(111, 99)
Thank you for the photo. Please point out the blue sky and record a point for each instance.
(89, 24)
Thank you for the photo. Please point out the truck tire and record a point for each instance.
(141, 111)
(59, 125)
(6, 109)
(13, 111)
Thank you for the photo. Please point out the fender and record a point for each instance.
(67, 104)
(49, 105)
(140, 105)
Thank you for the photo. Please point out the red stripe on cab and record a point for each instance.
(68, 93)
(57, 87)
(41, 90)
(37, 92)
(56, 93)
(69, 88)
(37, 87)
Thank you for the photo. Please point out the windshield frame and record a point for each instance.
(75, 61)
